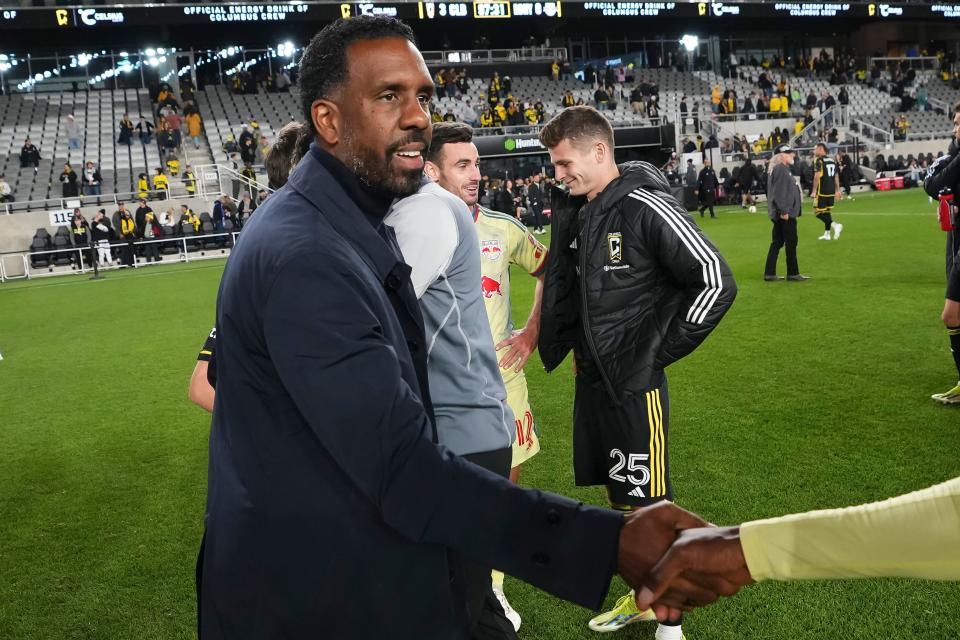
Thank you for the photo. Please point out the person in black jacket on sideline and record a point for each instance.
(707, 188)
(943, 179)
(632, 286)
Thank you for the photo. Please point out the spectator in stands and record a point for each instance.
(555, 70)
(440, 82)
(847, 170)
(151, 231)
(128, 234)
(230, 145)
(69, 182)
(126, 130)
(145, 130)
(166, 138)
(92, 181)
(567, 100)
(140, 215)
(843, 97)
(195, 128)
(653, 109)
(250, 176)
(160, 184)
(6, 193)
(688, 146)
(101, 233)
(72, 130)
(246, 207)
(187, 220)
(217, 215)
(189, 180)
(231, 211)
(29, 155)
(775, 103)
(262, 196)
(601, 98)
(79, 236)
(143, 186)
(282, 81)
(690, 177)
(715, 98)
(902, 125)
(486, 118)
(248, 146)
(670, 171)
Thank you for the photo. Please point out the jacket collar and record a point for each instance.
(311, 180)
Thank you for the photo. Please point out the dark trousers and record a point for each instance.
(487, 621)
(784, 234)
(537, 211)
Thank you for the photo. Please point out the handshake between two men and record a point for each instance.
(675, 561)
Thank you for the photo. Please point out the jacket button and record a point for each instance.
(553, 517)
(541, 559)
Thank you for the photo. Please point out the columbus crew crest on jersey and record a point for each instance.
(615, 247)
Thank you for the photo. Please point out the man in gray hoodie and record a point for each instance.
(783, 206)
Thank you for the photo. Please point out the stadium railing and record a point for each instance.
(874, 136)
(17, 265)
(493, 56)
(223, 177)
(84, 201)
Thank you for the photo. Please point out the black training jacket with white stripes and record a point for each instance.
(632, 284)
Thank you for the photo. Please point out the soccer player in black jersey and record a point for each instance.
(826, 189)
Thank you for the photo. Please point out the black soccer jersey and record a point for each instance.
(827, 168)
(209, 354)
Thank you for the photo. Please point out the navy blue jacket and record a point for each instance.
(330, 511)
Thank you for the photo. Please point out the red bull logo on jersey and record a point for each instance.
(489, 286)
(490, 249)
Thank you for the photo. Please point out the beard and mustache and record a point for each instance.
(375, 168)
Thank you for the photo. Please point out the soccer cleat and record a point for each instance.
(825, 236)
(837, 228)
(949, 397)
(623, 613)
(508, 611)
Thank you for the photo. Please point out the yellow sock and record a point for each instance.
(497, 579)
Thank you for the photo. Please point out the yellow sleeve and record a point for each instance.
(526, 250)
(916, 535)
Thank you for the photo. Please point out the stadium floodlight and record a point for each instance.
(285, 49)
(152, 62)
(161, 50)
(690, 42)
(38, 77)
(47, 74)
(124, 54)
(231, 51)
(150, 52)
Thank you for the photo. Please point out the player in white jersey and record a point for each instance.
(452, 162)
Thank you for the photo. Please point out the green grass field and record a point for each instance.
(808, 395)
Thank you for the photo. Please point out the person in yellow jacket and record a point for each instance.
(160, 184)
(501, 112)
(194, 128)
(798, 126)
(715, 99)
(775, 104)
(532, 115)
(190, 180)
(784, 103)
(486, 118)
(143, 186)
(173, 164)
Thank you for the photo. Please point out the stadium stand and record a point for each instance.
(224, 112)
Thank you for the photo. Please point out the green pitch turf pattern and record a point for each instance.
(809, 395)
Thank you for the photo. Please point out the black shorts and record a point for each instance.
(623, 447)
(824, 203)
(953, 285)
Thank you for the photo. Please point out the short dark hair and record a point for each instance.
(447, 133)
(574, 124)
(821, 145)
(323, 66)
(293, 142)
(956, 107)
